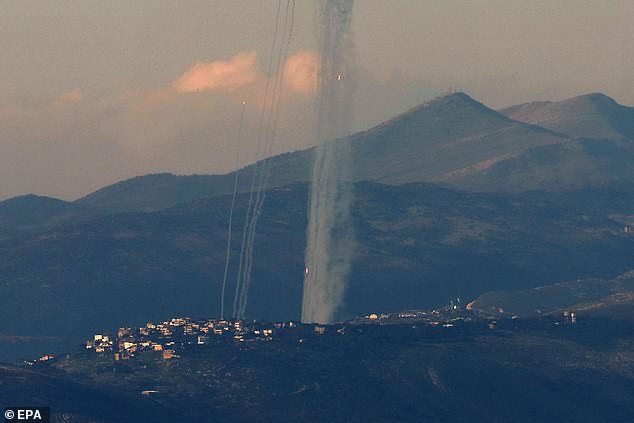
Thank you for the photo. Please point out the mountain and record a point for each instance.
(439, 141)
(600, 148)
(587, 116)
(418, 247)
(571, 164)
(452, 140)
(31, 213)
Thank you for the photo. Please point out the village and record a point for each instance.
(171, 338)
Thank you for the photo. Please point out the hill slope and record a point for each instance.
(159, 191)
(584, 296)
(71, 401)
(570, 164)
(436, 141)
(31, 213)
(590, 116)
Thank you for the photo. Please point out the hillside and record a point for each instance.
(418, 246)
(156, 191)
(571, 164)
(159, 191)
(587, 297)
(29, 214)
(587, 116)
(438, 141)
(75, 402)
(393, 373)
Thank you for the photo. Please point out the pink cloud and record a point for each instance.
(73, 96)
(300, 72)
(237, 72)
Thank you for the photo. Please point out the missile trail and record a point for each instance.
(266, 133)
(247, 220)
(233, 202)
(271, 132)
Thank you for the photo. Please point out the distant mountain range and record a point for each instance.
(452, 140)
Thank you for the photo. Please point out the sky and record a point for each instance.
(95, 92)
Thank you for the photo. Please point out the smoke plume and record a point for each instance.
(330, 237)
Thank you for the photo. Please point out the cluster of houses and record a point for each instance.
(169, 337)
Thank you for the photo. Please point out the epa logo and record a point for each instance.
(27, 414)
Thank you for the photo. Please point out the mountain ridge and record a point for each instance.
(429, 143)
(593, 115)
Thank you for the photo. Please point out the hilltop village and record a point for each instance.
(171, 338)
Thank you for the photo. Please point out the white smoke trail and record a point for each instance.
(330, 241)
(233, 203)
(271, 130)
(247, 220)
(260, 177)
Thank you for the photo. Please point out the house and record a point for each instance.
(320, 329)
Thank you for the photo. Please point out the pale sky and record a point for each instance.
(94, 92)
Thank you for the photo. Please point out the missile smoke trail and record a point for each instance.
(233, 203)
(266, 166)
(260, 177)
(330, 238)
(247, 219)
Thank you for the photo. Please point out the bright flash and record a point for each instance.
(339, 77)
